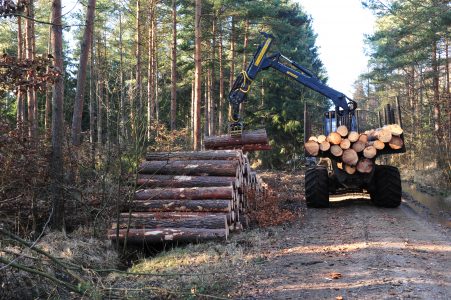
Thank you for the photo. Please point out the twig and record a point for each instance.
(40, 273)
(151, 274)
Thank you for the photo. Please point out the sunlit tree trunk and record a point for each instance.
(31, 94)
(212, 98)
(20, 96)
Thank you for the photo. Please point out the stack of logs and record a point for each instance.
(354, 151)
(248, 141)
(188, 196)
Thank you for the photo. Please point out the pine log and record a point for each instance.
(198, 193)
(396, 143)
(247, 137)
(312, 148)
(369, 152)
(365, 165)
(313, 138)
(255, 147)
(363, 138)
(175, 215)
(395, 129)
(353, 136)
(342, 130)
(216, 205)
(349, 169)
(145, 180)
(381, 134)
(334, 138)
(324, 146)
(345, 144)
(190, 167)
(340, 165)
(196, 155)
(167, 234)
(358, 146)
(377, 144)
(336, 150)
(208, 222)
(321, 138)
(350, 157)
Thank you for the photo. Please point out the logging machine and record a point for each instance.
(382, 182)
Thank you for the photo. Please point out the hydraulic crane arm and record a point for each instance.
(277, 61)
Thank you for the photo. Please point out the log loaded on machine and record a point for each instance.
(193, 196)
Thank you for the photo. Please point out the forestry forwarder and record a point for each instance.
(383, 182)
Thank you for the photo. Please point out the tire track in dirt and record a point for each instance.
(355, 250)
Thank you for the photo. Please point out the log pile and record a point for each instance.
(188, 196)
(354, 151)
(248, 141)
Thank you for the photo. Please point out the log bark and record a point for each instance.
(247, 137)
(217, 205)
(255, 147)
(369, 152)
(396, 143)
(350, 157)
(161, 181)
(336, 150)
(324, 146)
(345, 144)
(196, 155)
(200, 193)
(342, 130)
(377, 144)
(176, 215)
(334, 138)
(312, 148)
(152, 222)
(353, 136)
(190, 167)
(365, 165)
(167, 234)
(358, 146)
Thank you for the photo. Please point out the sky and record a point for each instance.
(341, 26)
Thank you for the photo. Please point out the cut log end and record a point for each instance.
(350, 157)
(369, 152)
(334, 138)
(342, 130)
(396, 143)
(365, 165)
(312, 148)
(336, 150)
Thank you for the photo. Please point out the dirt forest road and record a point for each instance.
(354, 250)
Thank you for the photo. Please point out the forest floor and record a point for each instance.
(352, 250)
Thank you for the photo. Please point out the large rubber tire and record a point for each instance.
(316, 187)
(387, 187)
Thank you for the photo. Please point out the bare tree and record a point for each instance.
(81, 76)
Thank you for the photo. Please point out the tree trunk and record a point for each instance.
(195, 155)
(197, 74)
(122, 111)
(81, 76)
(57, 120)
(20, 96)
(150, 77)
(212, 112)
(197, 193)
(221, 82)
(174, 67)
(30, 54)
(138, 63)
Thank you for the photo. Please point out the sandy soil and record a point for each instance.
(354, 250)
